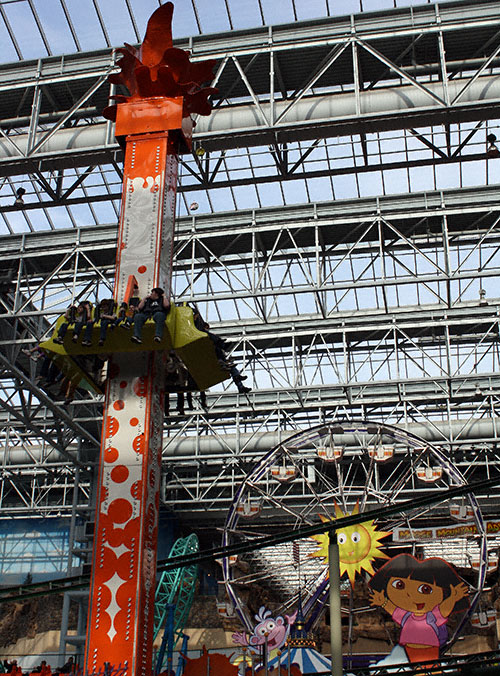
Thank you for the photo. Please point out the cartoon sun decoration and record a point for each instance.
(359, 545)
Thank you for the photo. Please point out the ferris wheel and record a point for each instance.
(338, 469)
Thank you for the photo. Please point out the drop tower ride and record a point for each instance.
(153, 125)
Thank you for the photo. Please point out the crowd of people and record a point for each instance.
(83, 317)
(51, 378)
(44, 669)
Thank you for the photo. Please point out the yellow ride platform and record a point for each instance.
(194, 347)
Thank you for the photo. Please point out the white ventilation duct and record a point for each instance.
(229, 122)
(457, 430)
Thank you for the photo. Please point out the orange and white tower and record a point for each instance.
(154, 124)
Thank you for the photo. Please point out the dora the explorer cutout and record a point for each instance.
(419, 596)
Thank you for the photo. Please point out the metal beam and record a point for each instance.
(313, 118)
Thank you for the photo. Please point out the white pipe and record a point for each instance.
(326, 108)
(455, 430)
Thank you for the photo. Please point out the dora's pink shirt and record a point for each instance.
(416, 629)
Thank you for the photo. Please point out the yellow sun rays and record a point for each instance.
(359, 545)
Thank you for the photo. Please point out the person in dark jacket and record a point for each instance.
(154, 306)
(220, 346)
(104, 314)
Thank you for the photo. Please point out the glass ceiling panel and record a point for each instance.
(284, 9)
(27, 35)
(119, 23)
(56, 27)
(214, 17)
(123, 19)
(244, 14)
(86, 23)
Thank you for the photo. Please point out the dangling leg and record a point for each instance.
(159, 320)
(87, 334)
(77, 330)
(139, 320)
(104, 329)
(237, 379)
(59, 339)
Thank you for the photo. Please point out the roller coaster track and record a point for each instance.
(177, 586)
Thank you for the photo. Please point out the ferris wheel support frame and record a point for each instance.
(335, 605)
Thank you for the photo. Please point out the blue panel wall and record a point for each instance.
(33, 547)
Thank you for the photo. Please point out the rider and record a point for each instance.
(105, 315)
(79, 317)
(156, 306)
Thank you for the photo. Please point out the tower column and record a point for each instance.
(153, 124)
(123, 579)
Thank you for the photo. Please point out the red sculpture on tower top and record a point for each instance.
(157, 69)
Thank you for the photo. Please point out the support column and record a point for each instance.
(153, 122)
(335, 609)
(123, 580)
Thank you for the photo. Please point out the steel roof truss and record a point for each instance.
(491, 230)
(320, 70)
(67, 116)
(251, 91)
(477, 74)
(491, 332)
(399, 71)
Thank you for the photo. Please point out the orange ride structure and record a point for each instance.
(153, 124)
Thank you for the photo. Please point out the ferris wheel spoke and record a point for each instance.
(405, 478)
(315, 497)
(369, 477)
(408, 518)
(277, 501)
(398, 476)
(346, 485)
